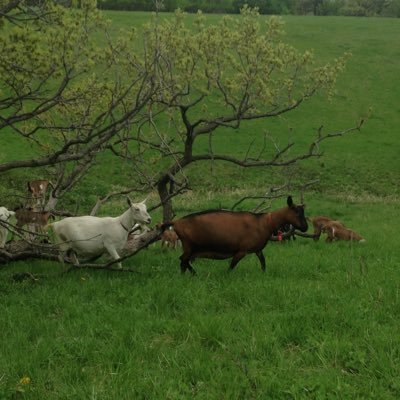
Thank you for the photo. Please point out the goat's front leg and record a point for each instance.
(113, 253)
(73, 257)
(261, 257)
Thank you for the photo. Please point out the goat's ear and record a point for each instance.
(290, 201)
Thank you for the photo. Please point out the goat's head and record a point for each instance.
(139, 212)
(38, 188)
(5, 214)
(295, 215)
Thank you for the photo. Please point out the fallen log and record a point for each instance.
(19, 250)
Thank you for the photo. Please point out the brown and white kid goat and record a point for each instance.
(169, 239)
(336, 231)
(26, 216)
(318, 223)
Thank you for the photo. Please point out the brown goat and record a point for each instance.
(220, 234)
(169, 239)
(38, 190)
(319, 223)
(335, 230)
(26, 216)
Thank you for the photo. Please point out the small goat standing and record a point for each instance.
(36, 220)
(220, 234)
(90, 236)
(26, 216)
(169, 239)
(38, 190)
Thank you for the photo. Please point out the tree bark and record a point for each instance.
(164, 188)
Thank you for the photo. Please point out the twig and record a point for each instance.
(306, 235)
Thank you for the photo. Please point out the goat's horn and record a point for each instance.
(144, 201)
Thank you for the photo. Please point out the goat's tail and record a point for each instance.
(166, 225)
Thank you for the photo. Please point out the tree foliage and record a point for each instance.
(62, 92)
(220, 76)
(72, 99)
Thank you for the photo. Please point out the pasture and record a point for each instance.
(322, 322)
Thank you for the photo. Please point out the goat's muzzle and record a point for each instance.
(303, 227)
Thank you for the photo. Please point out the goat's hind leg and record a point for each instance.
(185, 264)
(186, 257)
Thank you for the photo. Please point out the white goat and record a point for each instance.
(5, 215)
(90, 236)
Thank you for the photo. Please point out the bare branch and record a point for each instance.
(181, 189)
(271, 193)
(104, 199)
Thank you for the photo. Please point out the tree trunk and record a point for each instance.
(164, 187)
(51, 203)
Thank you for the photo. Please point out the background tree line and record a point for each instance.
(387, 8)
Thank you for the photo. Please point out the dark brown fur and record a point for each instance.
(220, 234)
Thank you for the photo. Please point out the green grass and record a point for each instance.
(321, 323)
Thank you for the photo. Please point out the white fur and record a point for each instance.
(90, 236)
(5, 215)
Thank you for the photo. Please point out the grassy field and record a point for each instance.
(321, 323)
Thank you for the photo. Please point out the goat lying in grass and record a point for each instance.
(318, 224)
(336, 231)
